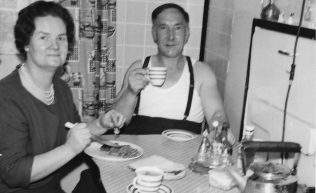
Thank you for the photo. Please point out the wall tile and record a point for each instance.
(120, 33)
(132, 53)
(149, 50)
(120, 56)
(121, 11)
(151, 6)
(8, 4)
(120, 73)
(148, 35)
(136, 12)
(195, 37)
(218, 64)
(225, 4)
(218, 43)
(134, 34)
(196, 19)
(220, 20)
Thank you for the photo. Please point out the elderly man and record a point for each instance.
(189, 94)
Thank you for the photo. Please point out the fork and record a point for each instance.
(97, 138)
(116, 133)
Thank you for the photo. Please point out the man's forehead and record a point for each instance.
(171, 16)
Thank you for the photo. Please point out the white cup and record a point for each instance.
(148, 179)
(157, 75)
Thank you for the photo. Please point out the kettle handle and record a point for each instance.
(271, 146)
(251, 147)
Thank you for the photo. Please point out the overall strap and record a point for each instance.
(138, 98)
(191, 89)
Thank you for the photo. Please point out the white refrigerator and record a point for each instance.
(270, 59)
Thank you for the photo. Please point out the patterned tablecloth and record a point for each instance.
(116, 176)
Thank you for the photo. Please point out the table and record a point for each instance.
(116, 176)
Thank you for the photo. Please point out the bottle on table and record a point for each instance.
(203, 151)
(247, 136)
(201, 161)
(221, 148)
(227, 147)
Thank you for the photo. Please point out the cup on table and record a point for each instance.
(157, 75)
(148, 179)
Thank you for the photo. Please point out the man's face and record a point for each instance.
(170, 32)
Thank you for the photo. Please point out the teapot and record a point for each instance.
(269, 177)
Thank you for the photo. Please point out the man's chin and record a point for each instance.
(173, 53)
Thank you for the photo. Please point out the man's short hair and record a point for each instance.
(163, 7)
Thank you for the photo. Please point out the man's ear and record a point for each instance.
(154, 34)
(187, 34)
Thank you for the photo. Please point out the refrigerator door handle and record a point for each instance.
(286, 53)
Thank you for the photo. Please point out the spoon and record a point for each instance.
(97, 138)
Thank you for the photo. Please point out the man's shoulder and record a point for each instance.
(201, 66)
(203, 72)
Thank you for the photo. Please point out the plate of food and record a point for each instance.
(127, 151)
(179, 135)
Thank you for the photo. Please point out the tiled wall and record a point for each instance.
(134, 40)
(218, 40)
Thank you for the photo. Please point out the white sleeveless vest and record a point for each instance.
(171, 102)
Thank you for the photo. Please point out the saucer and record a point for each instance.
(163, 189)
(179, 135)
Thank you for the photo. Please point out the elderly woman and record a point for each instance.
(35, 105)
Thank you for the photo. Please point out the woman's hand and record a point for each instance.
(78, 137)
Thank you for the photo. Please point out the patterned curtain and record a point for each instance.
(91, 70)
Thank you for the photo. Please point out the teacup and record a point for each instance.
(148, 179)
(157, 75)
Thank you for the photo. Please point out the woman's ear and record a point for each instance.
(26, 48)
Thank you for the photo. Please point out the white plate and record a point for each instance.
(163, 189)
(179, 135)
(94, 151)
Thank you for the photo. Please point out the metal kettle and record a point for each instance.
(269, 177)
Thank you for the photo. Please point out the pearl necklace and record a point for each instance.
(46, 96)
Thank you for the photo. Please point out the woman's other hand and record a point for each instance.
(78, 137)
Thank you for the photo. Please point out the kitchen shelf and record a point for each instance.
(284, 28)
